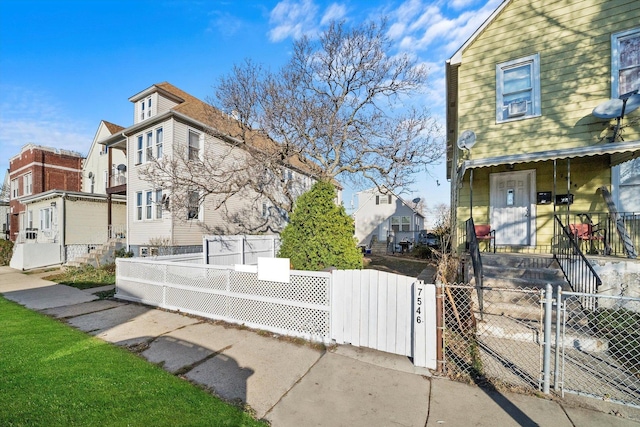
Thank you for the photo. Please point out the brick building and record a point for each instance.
(37, 169)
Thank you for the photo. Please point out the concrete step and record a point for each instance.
(523, 330)
(551, 274)
(528, 261)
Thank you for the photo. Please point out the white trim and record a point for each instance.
(541, 156)
(457, 56)
(531, 177)
(48, 165)
(615, 66)
(536, 110)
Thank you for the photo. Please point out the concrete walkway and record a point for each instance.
(299, 385)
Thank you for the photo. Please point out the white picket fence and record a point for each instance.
(365, 308)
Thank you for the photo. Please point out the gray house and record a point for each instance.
(383, 216)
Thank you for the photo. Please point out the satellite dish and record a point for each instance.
(466, 140)
(121, 167)
(616, 108)
(608, 109)
(612, 108)
(90, 175)
(416, 200)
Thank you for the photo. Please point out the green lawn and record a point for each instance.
(85, 277)
(54, 375)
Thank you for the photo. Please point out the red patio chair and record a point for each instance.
(485, 233)
(586, 232)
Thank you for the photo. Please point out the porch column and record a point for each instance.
(471, 193)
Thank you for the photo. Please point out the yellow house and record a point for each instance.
(536, 129)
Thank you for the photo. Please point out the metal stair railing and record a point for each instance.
(574, 264)
(476, 261)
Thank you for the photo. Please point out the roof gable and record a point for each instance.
(457, 56)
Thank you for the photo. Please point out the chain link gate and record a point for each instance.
(593, 341)
(502, 344)
(599, 343)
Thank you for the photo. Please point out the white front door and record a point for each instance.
(512, 209)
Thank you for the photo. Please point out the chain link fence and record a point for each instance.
(495, 336)
(501, 344)
(601, 347)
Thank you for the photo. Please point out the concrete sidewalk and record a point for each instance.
(300, 385)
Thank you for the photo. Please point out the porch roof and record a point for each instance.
(620, 152)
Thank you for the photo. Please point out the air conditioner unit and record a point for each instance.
(144, 251)
(517, 108)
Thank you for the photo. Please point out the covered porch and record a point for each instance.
(528, 201)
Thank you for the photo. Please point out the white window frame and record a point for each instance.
(138, 206)
(142, 108)
(15, 188)
(27, 184)
(158, 202)
(536, 110)
(148, 205)
(159, 134)
(139, 149)
(189, 147)
(148, 152)
(46, 218)
(198, 216)
(616, 38)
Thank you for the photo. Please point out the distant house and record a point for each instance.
(34, 170)
(169, 122)
(385, 217)
(66, 218)
(67, 225)
(4, 208)
(527, 83)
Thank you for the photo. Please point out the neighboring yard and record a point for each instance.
(400, 264)
(55, 375)
(85, 277)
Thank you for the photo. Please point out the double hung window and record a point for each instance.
(27, 181)
(518, 89)
(46, 216)
(193, 205)
(194, 146)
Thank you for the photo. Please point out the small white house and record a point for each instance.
(63, 226)
(383, 214)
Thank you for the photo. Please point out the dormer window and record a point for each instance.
(145, 108)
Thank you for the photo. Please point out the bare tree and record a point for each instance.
(338, 110)
(341, 106)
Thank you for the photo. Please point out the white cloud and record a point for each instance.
(417, 25)
(292, 19)
(28, 116)
(333, 13)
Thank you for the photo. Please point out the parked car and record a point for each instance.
(428, 239)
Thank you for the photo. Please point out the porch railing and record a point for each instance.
(476, 260)
(607, 226)
(118, 179)
(33, 235)
(576, 267)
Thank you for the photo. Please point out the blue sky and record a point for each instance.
(66, 65)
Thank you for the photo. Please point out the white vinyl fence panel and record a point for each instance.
(299, 308)
(372, 309)
(239, 249)
(366, 308)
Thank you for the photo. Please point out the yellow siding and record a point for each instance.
(575, 69)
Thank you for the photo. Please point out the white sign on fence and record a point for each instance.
(424, 325)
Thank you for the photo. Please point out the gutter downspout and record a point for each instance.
(63, 217)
